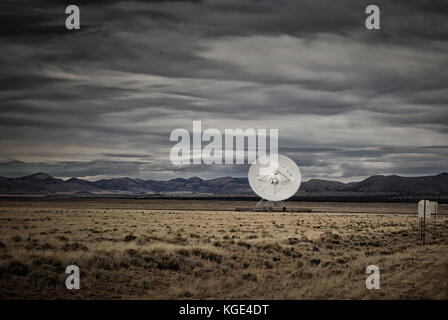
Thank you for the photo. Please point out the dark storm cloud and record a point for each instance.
(126, 155)
(348, 102)
(17, 20)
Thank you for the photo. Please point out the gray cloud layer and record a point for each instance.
(102, 101)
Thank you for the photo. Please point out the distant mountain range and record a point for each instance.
(387, 187)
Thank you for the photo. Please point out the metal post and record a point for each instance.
(419, 228)
(420, 224)
(434, 230)
(424, 222)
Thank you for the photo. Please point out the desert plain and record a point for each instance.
(203, 249)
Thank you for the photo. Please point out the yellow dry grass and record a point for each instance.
(198, 250)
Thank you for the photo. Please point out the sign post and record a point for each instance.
(425, 209)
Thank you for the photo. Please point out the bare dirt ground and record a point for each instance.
(168, 249)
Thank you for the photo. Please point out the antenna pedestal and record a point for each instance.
(271, 205)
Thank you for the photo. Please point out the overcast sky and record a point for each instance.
(102, 101)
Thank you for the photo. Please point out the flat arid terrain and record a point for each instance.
(200, 249)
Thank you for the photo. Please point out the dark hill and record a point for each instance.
(428, 185)
(394, 187)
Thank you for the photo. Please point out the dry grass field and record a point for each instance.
(168, 249)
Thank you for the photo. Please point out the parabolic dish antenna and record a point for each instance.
(274, 178)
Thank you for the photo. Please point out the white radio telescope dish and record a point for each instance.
(274, 179)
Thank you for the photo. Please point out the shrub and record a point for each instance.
(131, 252)
(207, 255)
(330, 237)
(224, 268)
(43, 278)
(17, 268)
(315, 262)
(229, 265)
(302, 275)
(249, 276)
(49, 263)
(75, 246)
(103, 262)
(129, 237)
(167, 263)
(244, 244)
(183, 252)
(34, 245)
